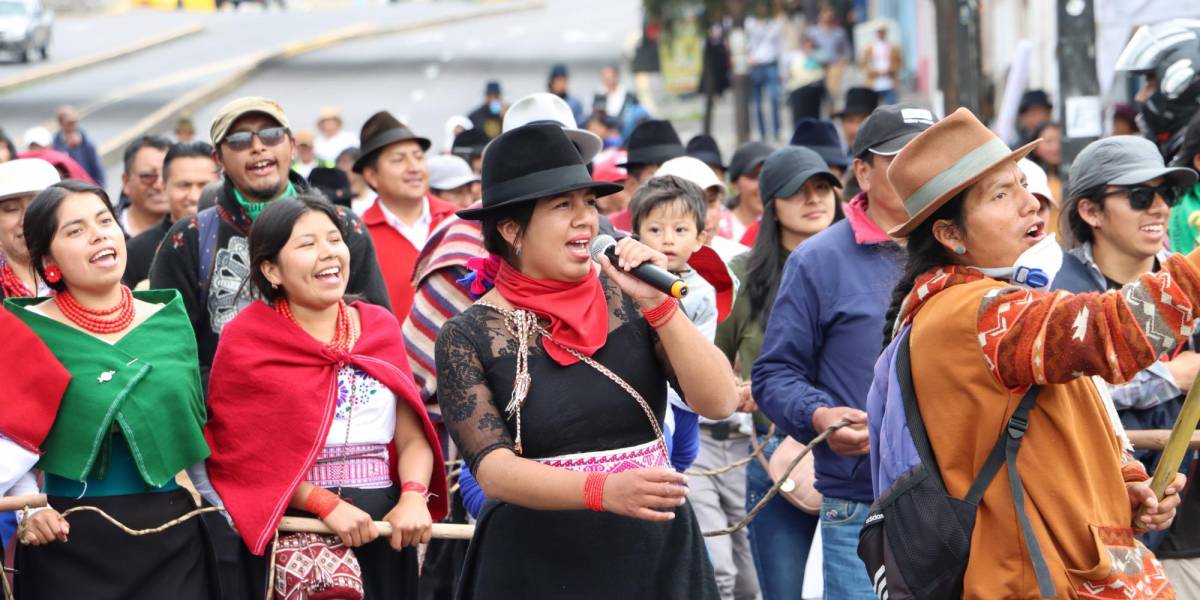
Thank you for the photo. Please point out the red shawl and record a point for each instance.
(271, 400)
(34, 382)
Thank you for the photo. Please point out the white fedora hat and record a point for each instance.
(26, 176)
(543, 107)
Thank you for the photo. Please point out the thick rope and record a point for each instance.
(775, 488)
(24, 525)
(758, 448)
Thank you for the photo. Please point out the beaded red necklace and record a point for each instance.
(344, 334)
(104, 321)
(12, 285)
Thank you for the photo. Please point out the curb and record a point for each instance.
(111, 151)
(69, 66)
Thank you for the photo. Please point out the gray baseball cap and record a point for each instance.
(1122, 160)
(786, 170)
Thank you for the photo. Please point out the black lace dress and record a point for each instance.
(523, 553)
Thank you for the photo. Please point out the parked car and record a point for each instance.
(25, 28)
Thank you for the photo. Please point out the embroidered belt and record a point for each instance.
(641, 456)
(363, 466)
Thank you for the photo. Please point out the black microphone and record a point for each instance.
(661, 279)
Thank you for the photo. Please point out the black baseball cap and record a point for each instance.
(747, 158)
(890, 127)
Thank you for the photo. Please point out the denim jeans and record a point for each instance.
(766, 76)
(844, 573)
(780, 535)
(887, 96)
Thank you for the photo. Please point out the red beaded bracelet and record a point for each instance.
(659, 315)
(412, 486)
(593, 491)
(321, 502)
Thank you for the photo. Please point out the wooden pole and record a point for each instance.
(445, 531)
(1177, 443)
(1156, 439)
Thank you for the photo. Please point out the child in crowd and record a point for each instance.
(668, 215)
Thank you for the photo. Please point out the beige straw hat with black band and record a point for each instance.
(944, 160)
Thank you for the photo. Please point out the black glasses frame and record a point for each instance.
(270, 137)
(1141, 197)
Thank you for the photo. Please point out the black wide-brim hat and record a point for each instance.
(532, 162)
(652, 142)
(859, 101)
(380, 131)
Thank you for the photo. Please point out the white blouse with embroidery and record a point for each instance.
(373, 418)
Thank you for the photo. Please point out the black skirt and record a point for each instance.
(99, 561)
(387, 574)
(523, 553)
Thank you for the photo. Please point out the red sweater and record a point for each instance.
(397, 255)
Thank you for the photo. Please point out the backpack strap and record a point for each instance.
(1005, 451)
(912, 412)
(209, 227)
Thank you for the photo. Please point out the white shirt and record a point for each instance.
(726, 248)
(881, 61)
(417, 233)
(328, 148)
(373, 420)
(305, 168)
(614, 101)
(15, 465)
(764, 37)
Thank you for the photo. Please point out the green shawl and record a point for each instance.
(148, 383)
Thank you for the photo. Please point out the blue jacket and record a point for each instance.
(824, 334)
(85, 154)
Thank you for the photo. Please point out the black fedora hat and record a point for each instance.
(704, 148)
(469, 144)
(382, 130)
(531, 162)
(806, 101)
(652, 142)
(859, 101)
(822, 137)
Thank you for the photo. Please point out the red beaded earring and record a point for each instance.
(53, 275)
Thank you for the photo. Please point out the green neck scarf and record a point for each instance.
(253, 209)
(147, 383)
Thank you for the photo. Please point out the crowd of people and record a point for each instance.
(383, 335)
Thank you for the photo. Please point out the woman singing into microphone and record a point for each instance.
(554, 385)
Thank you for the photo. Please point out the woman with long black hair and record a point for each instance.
(799, 195)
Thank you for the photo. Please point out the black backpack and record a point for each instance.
(916, 540)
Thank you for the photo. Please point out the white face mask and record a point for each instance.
(1035, 268)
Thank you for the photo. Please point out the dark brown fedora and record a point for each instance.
(380, 131)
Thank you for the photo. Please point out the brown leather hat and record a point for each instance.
(944, 160)
(382, 130)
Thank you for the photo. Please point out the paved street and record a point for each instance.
(424, 76)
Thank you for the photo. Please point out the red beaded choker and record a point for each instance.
(12, 285)
(343, 336)
(109, 320)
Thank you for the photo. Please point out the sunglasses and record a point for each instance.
(149, 178)
(1141, 197)
(241, 140)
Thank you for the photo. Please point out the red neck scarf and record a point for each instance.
(578, 311)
